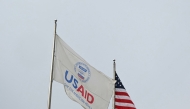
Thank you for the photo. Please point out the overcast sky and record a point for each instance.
(150, 40)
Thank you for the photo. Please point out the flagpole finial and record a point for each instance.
(114, 60)
(55, 25)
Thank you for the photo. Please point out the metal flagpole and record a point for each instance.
(114, 70)
(51, 74)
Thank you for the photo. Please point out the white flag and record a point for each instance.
(82, 82)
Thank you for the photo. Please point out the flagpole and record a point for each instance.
(51, 74)
(114, 70)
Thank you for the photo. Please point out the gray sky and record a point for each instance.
(149, 39)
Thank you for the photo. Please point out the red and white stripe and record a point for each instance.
(123, 100)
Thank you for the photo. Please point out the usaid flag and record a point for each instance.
(82, 82)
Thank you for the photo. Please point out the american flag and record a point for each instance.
(122, 98)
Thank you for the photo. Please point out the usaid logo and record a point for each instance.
(82, 71)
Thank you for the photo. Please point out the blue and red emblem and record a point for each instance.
(82, 71)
